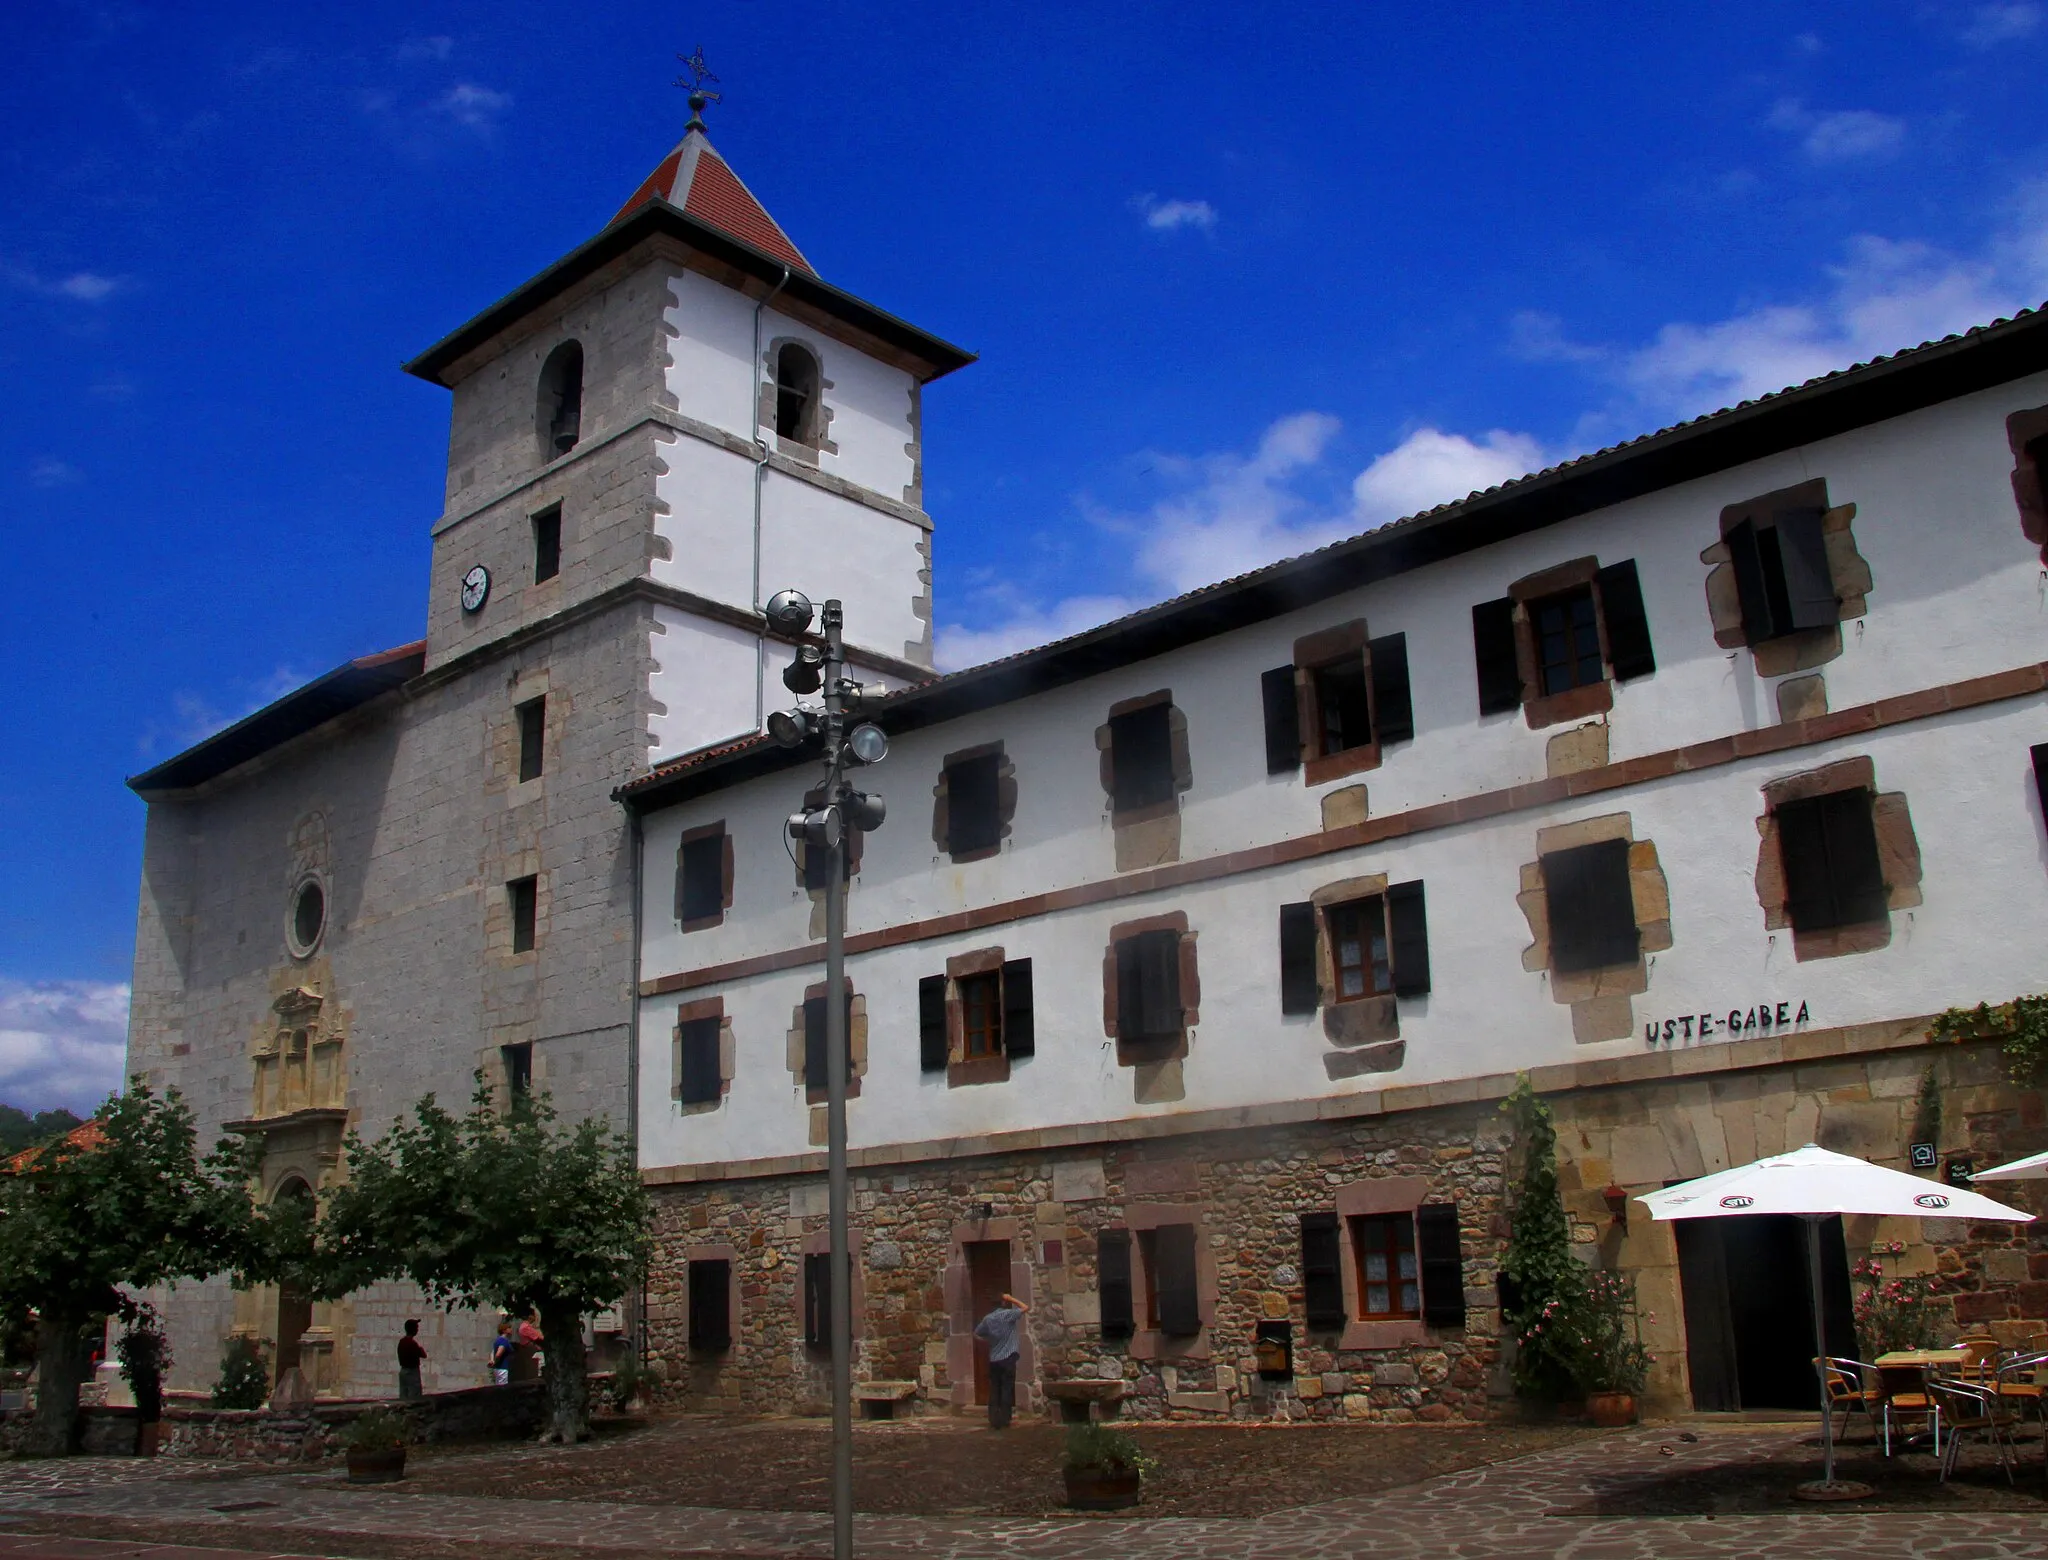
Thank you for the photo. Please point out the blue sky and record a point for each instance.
(1242, 281)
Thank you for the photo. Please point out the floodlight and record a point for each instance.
(864, 810)
(870, 743)
(789, 613)
(806, 674)
(791, 728)
(819, 829)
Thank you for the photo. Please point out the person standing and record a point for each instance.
(999, 1330)
(501, 1356)
(410, 1354)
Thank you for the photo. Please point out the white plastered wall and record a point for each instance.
(702, 682)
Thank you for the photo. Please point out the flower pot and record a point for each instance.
(1611, 1410)
(383, 1466)
(1102, 1489)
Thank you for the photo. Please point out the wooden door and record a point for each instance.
(988, 1276)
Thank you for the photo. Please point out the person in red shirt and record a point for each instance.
(410, 1353)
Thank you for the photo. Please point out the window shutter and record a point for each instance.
(1298, 992)
(1628, 626)
(932, 1047)
(1441, 1254)
(1591, 909)
(1113, 1281)
(818, 1299)
(1852, 855)
(2040, 756)
(711, 1305)
(1283, 720)
(973, 813)
(814, 1041)
(698, 1078)
(1408, 938)
(1019, 1037)
(1758, 621)
(1803, 852)
(1141, 757)
(1180, 1312)
(700, 885)
(1322, 1278)
(1148, 986)
(1393, 709)
(1809, 582)
(1493, 645)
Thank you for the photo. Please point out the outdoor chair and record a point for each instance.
(1902, 1395)
(1847, 1393)
(1980, 1357)
(1972, 1409)
(2018, 1380)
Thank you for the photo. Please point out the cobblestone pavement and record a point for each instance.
(1502, 1512)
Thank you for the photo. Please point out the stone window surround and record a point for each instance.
(524, 686)
(1898, 854)
(705, 831)
(960, 1068)
(1359, 1199)
(819, 1242)
(960, 1318)
(1148, 1343)
(1550, 709)
(1599, 999)
(1352, 1021)
(1190, 984)
(1146, 836)
(540, 591)
(806, 450)
(313, 877)
(728, 1051)
(1808, 648)
(1006, 802)
(543, 429)
(856, 1039)
(514, 866)
(1313, 652)
(730, 1256)
(2029, 485)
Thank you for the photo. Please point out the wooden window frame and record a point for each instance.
(981, 1016)
(1571, 667)
(1016, 1026)
(1397, 1224)
(696, 836)
(1526, 596)
(1141, 1221)
(1369, 908)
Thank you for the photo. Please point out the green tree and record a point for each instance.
(1541, 1279)
(503, 1209)
(19, 1130)
(133, 1207)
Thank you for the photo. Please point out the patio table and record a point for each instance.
(1926, 1359)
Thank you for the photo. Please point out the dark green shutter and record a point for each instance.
(1141, 757)
(1833, 877)
(1591, 909)
(1441, 1254)
(1180, 1311)
(1809, 582)
(700, 885)
(699, 1080)
(1493, 647)
(1746, 558)
(1283, 720)
(1298, 992)
(1408, 938)
(1018, 1036)
(1322, 1276)
(1628, 626)
(932, 1047)
(1148, 987)
(1393, 708)
(1113, 1283)
(814, 1042)
(974, 818)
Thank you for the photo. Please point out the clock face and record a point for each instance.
(476, 588)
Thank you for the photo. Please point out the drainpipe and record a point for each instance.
(633, 1068)
(760, 476)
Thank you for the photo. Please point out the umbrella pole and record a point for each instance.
(1820, 1347)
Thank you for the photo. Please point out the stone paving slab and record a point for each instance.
(1505, 1511)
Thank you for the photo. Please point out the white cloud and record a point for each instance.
(1430, 467)
(195, 717)
(50, 472)
(1167, 216)
(62, 1042)
(1846, 135)
(79, 286)
(474, 107)
(1991, 25)
(1019, 625)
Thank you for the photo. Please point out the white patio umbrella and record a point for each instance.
(2033, 1168)
(1815, 1183)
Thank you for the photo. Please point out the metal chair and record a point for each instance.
(1972, 1408)
(1902, 1393)
(1847, 1393)
(2018, 1380)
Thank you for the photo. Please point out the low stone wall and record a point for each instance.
(301, 1435)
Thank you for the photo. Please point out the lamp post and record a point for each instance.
(822, 669)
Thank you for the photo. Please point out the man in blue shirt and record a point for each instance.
(998, 1330)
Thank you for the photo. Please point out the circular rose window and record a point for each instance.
(308, 917)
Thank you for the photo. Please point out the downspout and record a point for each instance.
(760, 477)
(633, 1069)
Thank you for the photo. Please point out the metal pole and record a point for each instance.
(835, 1102)
(1820, 1347)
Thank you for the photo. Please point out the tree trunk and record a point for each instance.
(62, 1360)
(565, 1383)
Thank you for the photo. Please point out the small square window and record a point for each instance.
(547, 543)
(1389, 1279)
(1148, 1002)
(533, 725)
(1359, 963)
(1833, 876)
(1141, 757)
(701, 877)
(699, 1076)
(981, 1015)
(523, 894)
(1343, 705)
(1567, 631)
(1591, 907)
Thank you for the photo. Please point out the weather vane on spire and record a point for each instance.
(699, 73)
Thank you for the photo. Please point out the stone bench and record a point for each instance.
(878, 1399)
(1079, 1401)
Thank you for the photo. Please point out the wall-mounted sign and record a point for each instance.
(1958, 1170)
(1921, 1156)
(1693, 1028)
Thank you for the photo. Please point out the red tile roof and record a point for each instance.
(699, 181)
(86, 1136)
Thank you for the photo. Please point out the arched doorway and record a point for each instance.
(294, 1305)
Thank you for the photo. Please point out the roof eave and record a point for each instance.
(657, 216)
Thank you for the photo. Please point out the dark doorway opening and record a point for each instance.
(988, 1275)
(1749, 1309)
(294, 1305)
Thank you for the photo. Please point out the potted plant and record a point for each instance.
(1609, 1362)
(145, 1354)
(1104, 1469)
(376, 1447)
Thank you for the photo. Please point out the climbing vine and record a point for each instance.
(2020, 1026)
(1540, 1278)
